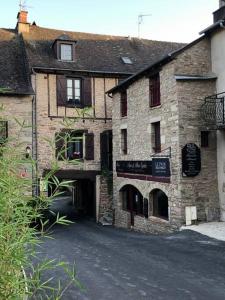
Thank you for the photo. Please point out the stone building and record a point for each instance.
(70, 73)
(165, 153)
(214, 106)
(16, 95)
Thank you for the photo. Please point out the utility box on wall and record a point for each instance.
(190, 214)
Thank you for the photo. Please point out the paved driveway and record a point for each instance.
(118, 264)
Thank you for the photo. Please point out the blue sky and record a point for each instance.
(170, 20)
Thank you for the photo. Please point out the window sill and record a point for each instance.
(62, 60)
(159, 219)
(123, 117)
(155, 107)
(72, 105)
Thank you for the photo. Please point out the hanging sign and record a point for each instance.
(161, 167)
(191, 160)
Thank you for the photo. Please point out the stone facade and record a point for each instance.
(17, 110)
(180, 123)
(51, 119)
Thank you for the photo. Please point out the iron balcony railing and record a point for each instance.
(213, 111)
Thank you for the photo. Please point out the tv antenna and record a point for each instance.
(23, 5)
(140, 21)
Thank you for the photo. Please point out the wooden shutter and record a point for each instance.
(123, 104)
(106, 150)
(89, 146)
(157, 137)
(61, 90)
(154, 91)
(60, 147)
(86, 94)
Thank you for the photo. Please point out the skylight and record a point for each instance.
(126, 60)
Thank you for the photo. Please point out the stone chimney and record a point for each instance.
(22, 24)
(221, 3)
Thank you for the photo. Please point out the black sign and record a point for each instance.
(134, 167)
(191, 160)
(161, 167)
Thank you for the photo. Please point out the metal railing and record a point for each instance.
(213, 110)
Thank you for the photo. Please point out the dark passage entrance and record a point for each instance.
(77, 200)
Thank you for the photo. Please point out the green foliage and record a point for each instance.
(18, 239)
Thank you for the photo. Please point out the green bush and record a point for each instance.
(19, 241)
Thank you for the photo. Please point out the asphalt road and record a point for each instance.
(120, 265)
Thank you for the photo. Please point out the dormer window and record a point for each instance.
(66, 52)
(64, 48)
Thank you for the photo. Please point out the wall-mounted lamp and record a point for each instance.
(28, 151)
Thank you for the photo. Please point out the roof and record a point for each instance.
(13, 69)
(94, 52)
(213, 27)
(152, 67)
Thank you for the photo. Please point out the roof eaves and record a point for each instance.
(213, 27)
(169, 57)
(55, 70)
(195, 77)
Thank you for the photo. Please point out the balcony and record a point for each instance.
(213, 111)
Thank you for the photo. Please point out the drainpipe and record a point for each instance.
(34, 134)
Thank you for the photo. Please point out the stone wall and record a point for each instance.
(51, 119)
(105, 201)
(49, 124)
(201, 190)
(18, 109)
(180, 120)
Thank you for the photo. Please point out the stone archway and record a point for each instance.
(132, 201)
(159, 204)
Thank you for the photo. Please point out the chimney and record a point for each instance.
(22, 24)
(221, 3)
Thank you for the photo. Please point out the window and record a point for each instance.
(123, 104)
(74, 90)
(154, 91)
(160, 204)
(66, 52)
(69, 145)
(74, 147)
(205, 139)
(132, 201)
(126, 60)
(124, 141)
(156, 137)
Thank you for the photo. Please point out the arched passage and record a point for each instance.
(132, 201)
(160, 205)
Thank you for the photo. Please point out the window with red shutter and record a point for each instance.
(89, 146)
(154, 91)
(156, 137)
(73, 92)
(123, 104)
(124, 141)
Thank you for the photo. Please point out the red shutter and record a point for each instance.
(61, 90)
(154, 89)
(87, 95)
(157, 137)
(123, 104)
(89, 146)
